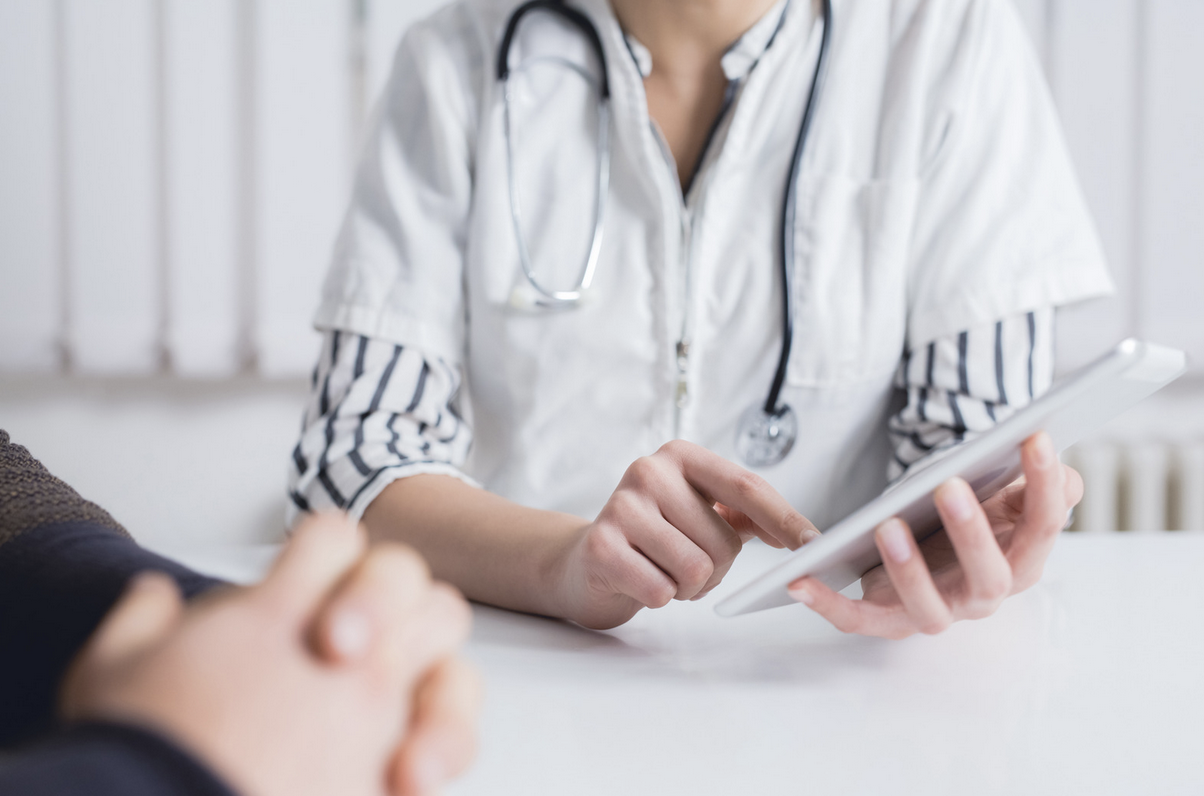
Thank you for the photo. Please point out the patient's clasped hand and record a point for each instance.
(337, 674)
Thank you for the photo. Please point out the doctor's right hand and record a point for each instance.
(671, 530)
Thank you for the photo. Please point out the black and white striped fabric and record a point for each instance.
(379, 411)
(963, 385)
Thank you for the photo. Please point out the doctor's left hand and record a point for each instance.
(985, 554)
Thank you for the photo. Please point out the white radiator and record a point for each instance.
(1144, 486)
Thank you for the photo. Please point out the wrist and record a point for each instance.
(555, 594)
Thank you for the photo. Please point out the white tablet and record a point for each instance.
(1080, 403)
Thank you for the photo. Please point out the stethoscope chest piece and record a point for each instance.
(764, 438)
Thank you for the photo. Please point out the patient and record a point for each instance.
(337, 675)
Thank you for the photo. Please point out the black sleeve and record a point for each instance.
(63, 564)
(106, 760)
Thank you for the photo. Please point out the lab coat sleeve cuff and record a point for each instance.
(380, 325)
(386, 477)
(1060, 284)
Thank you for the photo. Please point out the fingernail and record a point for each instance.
(350, 633)
(894, 539)
(1043, 452)
(800, 592)
(956, 499)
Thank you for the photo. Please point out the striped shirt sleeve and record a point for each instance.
(962, 385)
(376, 412)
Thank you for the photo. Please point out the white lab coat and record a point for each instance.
(936, 195)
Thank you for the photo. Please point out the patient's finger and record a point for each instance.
(321, 550)
(442, 737)
(150, 607)
(388, 608)
(384, 587)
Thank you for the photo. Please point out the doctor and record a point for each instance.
(624, 284)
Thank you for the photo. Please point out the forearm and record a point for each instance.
(107, 760)
(493, 550)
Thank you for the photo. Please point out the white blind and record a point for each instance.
(175, 171)
(30, 232)
(112, 162)
(203, 97)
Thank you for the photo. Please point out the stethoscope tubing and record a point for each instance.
(790, 213)
(773, 427)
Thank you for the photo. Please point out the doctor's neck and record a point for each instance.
(687, 40)
(688, 31)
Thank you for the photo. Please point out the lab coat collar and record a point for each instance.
(740, 58)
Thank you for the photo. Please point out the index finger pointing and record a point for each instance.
(721, 481)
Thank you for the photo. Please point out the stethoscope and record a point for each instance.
(766, 431)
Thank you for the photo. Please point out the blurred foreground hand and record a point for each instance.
(336, 675)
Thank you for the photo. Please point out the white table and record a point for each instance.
(1091, 682)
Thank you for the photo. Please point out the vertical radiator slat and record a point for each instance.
(114, 282)
(1099, 465)
(202, 128)
(1093, 67)
(1145, 495)
(30, 234)
(302, 162)
(1189, 511)
(1172, 191)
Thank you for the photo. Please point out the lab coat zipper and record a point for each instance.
(681, 396)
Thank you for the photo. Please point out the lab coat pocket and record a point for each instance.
(850, 279)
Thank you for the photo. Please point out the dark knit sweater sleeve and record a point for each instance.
(106, 760)
(64, 562)
(30, 497)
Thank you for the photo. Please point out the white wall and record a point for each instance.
(163, 226)
(176, 462)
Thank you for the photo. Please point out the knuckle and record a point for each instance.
(978, 609)
(661, 594)
(625, 506)
(732, 547)
(696, 571)
(794, 524)
(748, 485)
(934, 625)
(676, 449)
(995, 588)
(1029, 579)
(602, 545)
(644, 472)
(845, 624)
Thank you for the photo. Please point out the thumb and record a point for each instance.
(150, 607)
